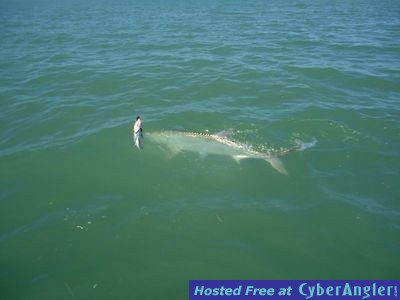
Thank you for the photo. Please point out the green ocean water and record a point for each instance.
(85, 215)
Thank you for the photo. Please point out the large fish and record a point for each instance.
(214, 144)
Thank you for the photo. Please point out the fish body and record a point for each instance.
(211, 144)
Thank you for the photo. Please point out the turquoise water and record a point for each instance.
(85, 215)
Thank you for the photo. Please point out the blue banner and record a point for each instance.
(293, 289)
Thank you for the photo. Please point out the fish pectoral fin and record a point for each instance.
(277, 164)
(171, 152)
(238, 158)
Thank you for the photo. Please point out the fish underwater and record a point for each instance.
(218, 144)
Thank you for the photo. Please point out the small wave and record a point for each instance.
(62, 138)
(171, 209)
(364, 202)
(38, 223)
(317, 72)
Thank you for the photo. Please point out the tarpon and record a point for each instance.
(214, 144)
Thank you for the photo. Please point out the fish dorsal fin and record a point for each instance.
(227, 133)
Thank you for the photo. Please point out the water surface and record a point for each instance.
(84, 215)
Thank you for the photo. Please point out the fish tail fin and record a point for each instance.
(277, 164)
(300, 146)
(172, 151)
